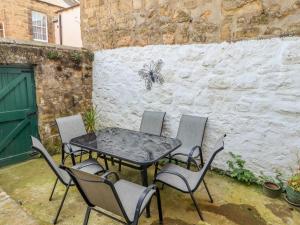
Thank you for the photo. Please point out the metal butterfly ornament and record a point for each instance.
(151, 73)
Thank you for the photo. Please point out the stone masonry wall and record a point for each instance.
(17, 19)
(63, 79)
(118, 23)
(249, 90)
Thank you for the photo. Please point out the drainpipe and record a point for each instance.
(60, 30)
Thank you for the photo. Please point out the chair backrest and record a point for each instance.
(97, 191)
(219, 146)
(61, 174)
(152, 122)
(191, 130)
(70, 127)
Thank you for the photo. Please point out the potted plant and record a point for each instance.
(91, 119)
(293, 186)
(293, 189)
(272, 187)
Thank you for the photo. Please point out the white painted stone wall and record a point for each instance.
(249, 90)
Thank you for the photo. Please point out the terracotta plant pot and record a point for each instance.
(271, 189)
(293, 196)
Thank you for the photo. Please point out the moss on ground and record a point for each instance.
(30, 184)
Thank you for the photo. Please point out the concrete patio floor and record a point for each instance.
(29, 185)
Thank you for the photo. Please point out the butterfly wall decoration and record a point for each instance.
(151, 73)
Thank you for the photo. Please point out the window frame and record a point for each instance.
(3, 29)
(41, 27)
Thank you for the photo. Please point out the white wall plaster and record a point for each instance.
(249, 90)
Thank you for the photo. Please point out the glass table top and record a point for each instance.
(132, 146)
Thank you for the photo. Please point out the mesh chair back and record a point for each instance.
(70, 127)
(219, 146)
(191, 130)
(61, 174)
(152, 122)
(96, 191)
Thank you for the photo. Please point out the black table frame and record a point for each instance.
(143, 167)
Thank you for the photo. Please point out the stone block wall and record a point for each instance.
(249, 90)
(118, 23)
(16, 17)
(63, 83)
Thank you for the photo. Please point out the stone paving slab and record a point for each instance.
(11, 213)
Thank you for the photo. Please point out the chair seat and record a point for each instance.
(183, 150)
(91, 166)
(175, 181)
(129, 194)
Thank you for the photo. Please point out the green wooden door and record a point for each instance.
(18, 118)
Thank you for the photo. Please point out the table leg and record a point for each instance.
(105, 161)
(145, 183)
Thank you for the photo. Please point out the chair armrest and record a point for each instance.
(141, 201)
(191, 153)
(176, 174)
(71, 150)
(107, 174)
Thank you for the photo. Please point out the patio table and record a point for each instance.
(134, 149)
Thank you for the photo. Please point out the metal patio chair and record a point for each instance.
(108, 193)
(152, 123)
(185, 180)
(190, 133)
(70, 127)
(89, 166)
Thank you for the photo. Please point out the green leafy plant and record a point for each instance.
(91, 119)
(238, 171)
(76, 57)
(294, 180)
(53, 55)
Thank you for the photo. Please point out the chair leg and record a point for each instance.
(61, 204)
(197, 207)
(87, 215)
(62, 156)
(112, 161)
(188, 165)
(106, 163)
(156, 169)
(50, 198)
(73, 160)
(80, 156)
(209, 195)
(120, 165)
(160, 214)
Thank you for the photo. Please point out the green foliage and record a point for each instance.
(238, 171)
(91, 119)
(53, 55)
(294, 182)
(90, 56)
(76, 57)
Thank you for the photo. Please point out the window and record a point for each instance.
(2, 31)
(39, 27)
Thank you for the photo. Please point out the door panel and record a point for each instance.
(18, 119)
